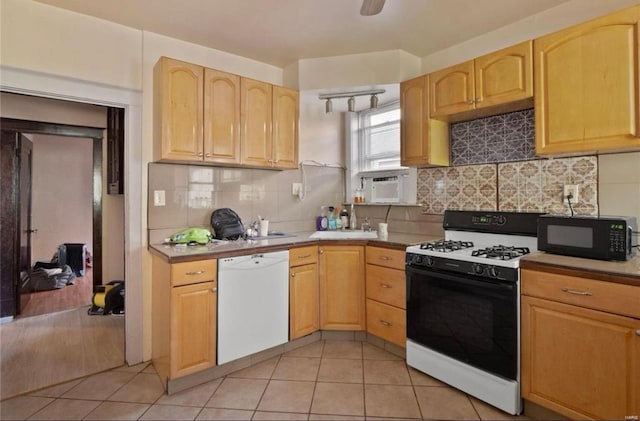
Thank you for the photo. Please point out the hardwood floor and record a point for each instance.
(45, 350)
(71, 296)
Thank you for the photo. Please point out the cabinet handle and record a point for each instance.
(470, 102)
(304, 257)
(576, 292)
(196, 272)
(214, 289)
(200, 154)
(386, 323)
(385, 258)
(385, 286)
(207, 155)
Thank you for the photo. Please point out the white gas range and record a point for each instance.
(463, 304)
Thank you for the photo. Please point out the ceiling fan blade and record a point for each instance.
(371, 7)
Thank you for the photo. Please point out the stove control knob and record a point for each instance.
(478, 269)
(493, 271)
(428, 261)
(417, 259)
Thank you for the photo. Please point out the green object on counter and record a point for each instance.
(191, 235)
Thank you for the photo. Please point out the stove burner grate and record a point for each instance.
(446, 246)
(501, 252)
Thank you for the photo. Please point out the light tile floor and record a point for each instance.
(326, 380)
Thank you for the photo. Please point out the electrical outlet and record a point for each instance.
(572, 190)
(296, 188)
(158, 198)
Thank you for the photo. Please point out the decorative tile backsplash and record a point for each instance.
(526, 186)
(494, 167)
(471, 187)
(500, 138)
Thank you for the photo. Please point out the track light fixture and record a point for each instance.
(351, 102)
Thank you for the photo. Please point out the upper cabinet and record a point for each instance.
(221, 117)
(255, 121)
(208, 116)
(586, 86)
(499, 78)
(423, 142)
(178, 107)
(285, 127)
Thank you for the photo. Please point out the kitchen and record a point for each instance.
(328, 154)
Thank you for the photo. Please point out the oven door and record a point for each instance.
(469, 319)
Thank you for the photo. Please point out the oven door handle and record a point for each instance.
(462, 279)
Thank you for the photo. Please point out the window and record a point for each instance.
(379, 138)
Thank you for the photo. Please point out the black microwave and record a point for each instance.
(604, 237)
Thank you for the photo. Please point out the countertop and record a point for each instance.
(219, 248)
(627, 272)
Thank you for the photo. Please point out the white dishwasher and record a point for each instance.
(253, 304)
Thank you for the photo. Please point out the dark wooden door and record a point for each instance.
(15, 230)
(24, 263)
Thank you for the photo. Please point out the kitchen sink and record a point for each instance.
(344, 235)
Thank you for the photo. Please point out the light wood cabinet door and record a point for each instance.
(255, 122)
(579, 362)
(423, 142)
(193, 328)
(504, 76)
(221, 117)
(342, 288)
(452, 90)
(285, 127)
(180, 108)
(586, 86)
(304, 301)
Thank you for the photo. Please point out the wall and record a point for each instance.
(619, 184)
(47, 39)
(193, 192)
(62, 197)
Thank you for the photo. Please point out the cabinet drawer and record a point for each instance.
(194, 272)
(600, 295)
(387, 285)
(387, 322)
(303, 256)
(386, 257)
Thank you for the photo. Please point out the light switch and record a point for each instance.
(158, 198)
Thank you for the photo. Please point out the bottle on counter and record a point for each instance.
(322, 222)
(332, 218)
(353, 223)
(339, 225)
(344, 218)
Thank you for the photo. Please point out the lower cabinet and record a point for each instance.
(386, 293)
(578, 361)
(342, 285)
(184, 302)
(304, 292)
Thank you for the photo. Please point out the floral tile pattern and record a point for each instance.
(471, 187)
(500, 138)
(525, 186)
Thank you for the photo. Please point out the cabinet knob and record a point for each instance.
(200, 154)
(470, 102)
(478, 100)
(385, 286)
(385, 323)
(321, 251)
(214, 289)
(638, 332)
(385, 258)
(207, 155)
(293, 275)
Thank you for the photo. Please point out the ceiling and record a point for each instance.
(281, 32)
